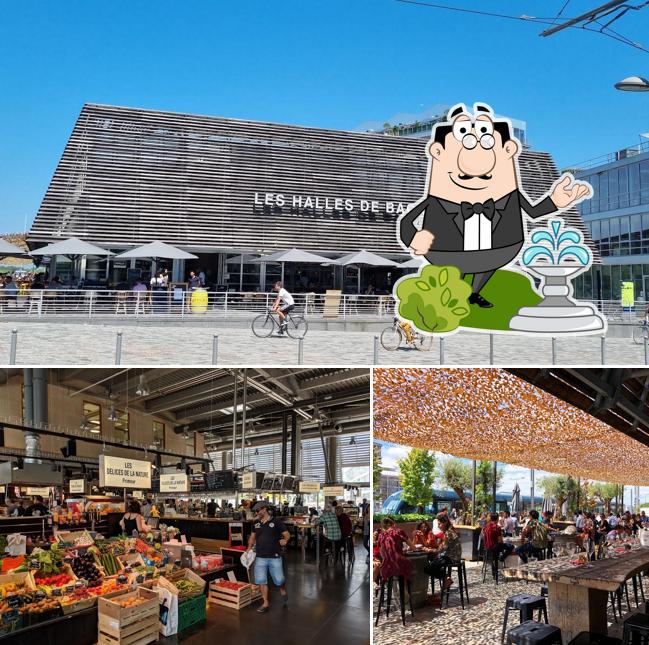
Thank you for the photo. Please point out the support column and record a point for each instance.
(39, 411)
(473, 488)
(296, 439)
(332, 453)
(284, 441)
(493, 486)
(234, 419)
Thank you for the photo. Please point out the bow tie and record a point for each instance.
(487, 209)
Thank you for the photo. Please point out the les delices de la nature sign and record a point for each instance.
(174, 483)
(122, 472)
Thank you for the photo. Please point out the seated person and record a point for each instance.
(492, 536)
(449, 551)
(535, 536)
(423, 535)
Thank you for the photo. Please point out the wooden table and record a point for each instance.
(578, 595)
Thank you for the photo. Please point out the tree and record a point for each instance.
(556, 486)
(605, 492)
(376, 472)
(417, 475)
(456, 474)
(484, 485)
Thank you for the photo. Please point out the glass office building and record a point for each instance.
(617, 217)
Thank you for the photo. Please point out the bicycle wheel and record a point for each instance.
(296, 327)
(391, 338)
(423, 343)
(639, 334)
(263, 325)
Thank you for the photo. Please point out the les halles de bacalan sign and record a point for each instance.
(319, 206)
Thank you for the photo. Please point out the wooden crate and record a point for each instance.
(129, 625)
(233, 598)
(23, 579)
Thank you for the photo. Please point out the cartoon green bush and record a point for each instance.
(435, 300)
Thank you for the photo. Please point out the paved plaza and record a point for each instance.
(479, 624)
(56, 343)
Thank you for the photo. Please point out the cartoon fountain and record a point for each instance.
(557, 255)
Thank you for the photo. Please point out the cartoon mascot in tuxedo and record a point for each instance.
(473, 209)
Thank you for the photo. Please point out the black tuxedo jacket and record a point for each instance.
(444, 220)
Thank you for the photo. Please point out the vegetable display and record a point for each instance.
(84, 567)
(188, 588)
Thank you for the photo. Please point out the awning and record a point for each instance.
(490, 414)
(295, 256)
(72, 247)
(7, 248)
(155, 250)
(366, 258)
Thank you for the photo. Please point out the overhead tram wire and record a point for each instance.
(572, 23)
(490, 14)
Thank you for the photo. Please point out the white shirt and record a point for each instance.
(477, 233)
(285, 297)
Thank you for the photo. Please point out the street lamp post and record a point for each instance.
(633, 84)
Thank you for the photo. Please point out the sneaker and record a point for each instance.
(285, 599)
(262, 610)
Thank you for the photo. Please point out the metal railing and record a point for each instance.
(177, 303)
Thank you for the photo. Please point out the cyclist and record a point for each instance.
(282, 305)
(407, 329)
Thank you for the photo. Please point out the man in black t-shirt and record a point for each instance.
(268, 537)
(211, 508)
(37, 508)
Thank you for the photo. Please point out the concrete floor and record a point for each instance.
(58, 343)
(332, 605)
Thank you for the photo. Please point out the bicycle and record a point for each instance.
(399, 332)
(264, 325)
(641, 332)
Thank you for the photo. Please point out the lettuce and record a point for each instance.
(435, 300)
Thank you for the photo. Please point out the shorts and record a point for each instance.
(264, 566)
(286, 308)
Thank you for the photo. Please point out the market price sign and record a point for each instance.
(77, 485)
(121, 472)
(309, 487)
(43, 491)
(248, 480)
(174, 483)
(334, 491)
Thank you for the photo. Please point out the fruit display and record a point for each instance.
(227, 584)
(85, 568)
(133, 601)
(39, 611)
(58, 580)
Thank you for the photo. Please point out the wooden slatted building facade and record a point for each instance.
(223, 186)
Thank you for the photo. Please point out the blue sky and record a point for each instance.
(391, 453)
(335, 64)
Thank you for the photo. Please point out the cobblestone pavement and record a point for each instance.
(480, 624)
(71, 343)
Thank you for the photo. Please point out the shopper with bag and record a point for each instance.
(269, 536)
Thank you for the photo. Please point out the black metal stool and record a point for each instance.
(462, 583)
(588, 638)
(532, 633)
(525, 604)
(636, 630)
(402, 600)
